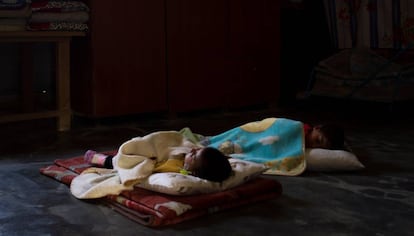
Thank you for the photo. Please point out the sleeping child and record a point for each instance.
(279, 143)
(203, 162)
(138, 158)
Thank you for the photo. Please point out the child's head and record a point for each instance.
(208, 163)
(329, 136)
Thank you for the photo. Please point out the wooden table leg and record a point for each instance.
(26, 89)
(61, 40)
(63, 84)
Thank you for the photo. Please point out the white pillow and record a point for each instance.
(179, 184)
(318, 159)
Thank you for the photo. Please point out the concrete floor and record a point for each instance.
(376, 201)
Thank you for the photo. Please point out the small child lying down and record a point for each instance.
(203, 162)
(277, 142)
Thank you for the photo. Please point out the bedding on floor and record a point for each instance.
(273, 146)
(277, 145)
(155, 209)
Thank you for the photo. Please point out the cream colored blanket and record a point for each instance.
(134, 162)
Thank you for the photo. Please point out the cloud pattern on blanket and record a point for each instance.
(269, 140)
(276, 142)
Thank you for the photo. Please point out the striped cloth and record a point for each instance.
(371, 23)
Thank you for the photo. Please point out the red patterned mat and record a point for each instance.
(157, 209)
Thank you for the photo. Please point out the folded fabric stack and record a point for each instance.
(58, 15)
(14, 15)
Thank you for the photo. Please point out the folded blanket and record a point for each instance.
(23, 12)
(6, 27)
(12, 24)
(75, 17)
(58, 6)
(156, 209)
(13, 21)
(9, 4)
(58, 26)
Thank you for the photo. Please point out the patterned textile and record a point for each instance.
(59, 6)
(58, 26)
(9, 4)
(12, 24)
(74, 17)
(23, 12)
(371, 23)
(14, 15)
(155, 209)
(58, 16)
(276, 142)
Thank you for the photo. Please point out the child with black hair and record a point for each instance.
(203, 162)
(327, 136)
(140, 157)
(279, 143)
(207, 163)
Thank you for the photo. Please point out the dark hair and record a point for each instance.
(334, 134)
(215, 166)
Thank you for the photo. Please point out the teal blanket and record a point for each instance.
(276, 142)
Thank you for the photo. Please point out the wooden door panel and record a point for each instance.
(196, 48)
(127, 57)
(222, 53)
(254, 30)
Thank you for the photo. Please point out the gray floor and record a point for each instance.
(376, 201)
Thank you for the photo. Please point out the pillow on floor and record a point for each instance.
(318, 159)
(179, 184)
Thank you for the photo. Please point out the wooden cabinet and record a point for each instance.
(119, 68)
(222, 53)
(178, 55)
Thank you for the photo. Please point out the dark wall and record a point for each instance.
(304, 42)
